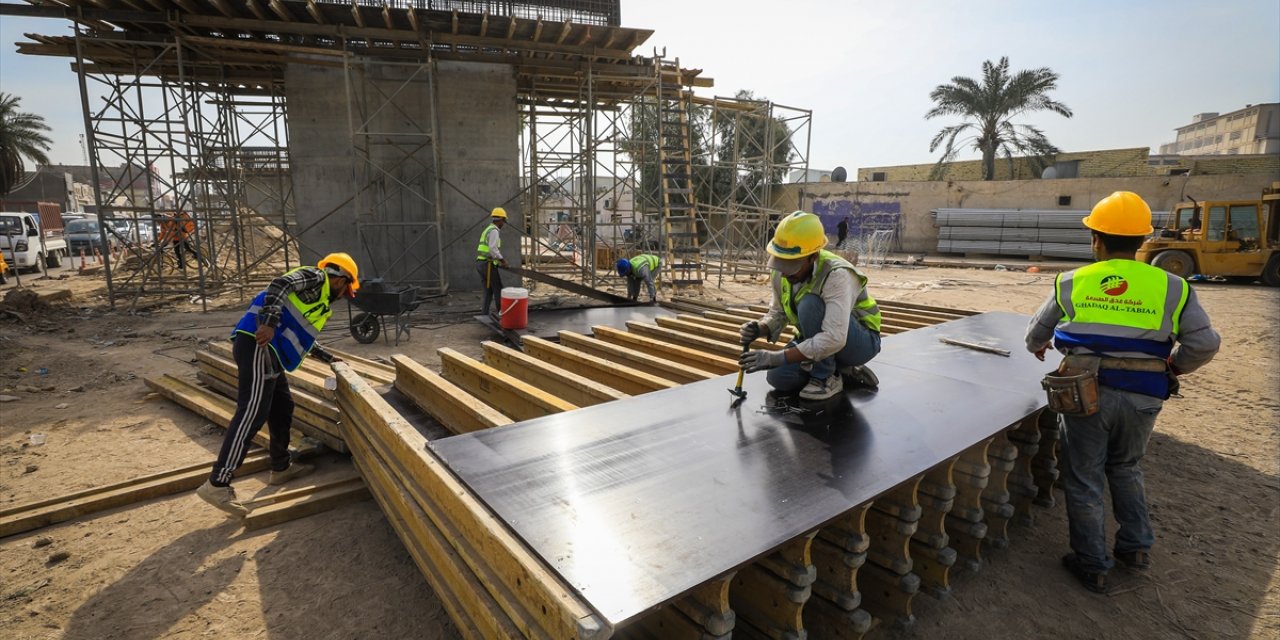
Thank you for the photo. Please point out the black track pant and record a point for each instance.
(263, 397)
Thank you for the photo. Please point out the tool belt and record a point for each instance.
(1072, 388)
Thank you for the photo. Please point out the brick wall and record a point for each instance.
(1109, 163)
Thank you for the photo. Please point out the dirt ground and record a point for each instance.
(175, 568)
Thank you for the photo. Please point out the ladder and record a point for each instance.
(675, 163)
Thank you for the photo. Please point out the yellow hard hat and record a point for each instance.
(1123, 213)
(499, 212)
(345, 263)
(798, 235)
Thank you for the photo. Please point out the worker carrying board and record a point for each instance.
(642, 269)
(277, 332)
(1127, 330)
(826, 299)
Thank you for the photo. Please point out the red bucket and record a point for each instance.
(513, 308)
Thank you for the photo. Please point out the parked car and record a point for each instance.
(35, 240)
(85, 235)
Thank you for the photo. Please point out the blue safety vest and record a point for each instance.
(300, 325)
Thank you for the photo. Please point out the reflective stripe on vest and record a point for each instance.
(1122, 309)
(864, 309)
(482, 251)
(300, 324)
(645, 259)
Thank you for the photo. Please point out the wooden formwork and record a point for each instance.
(862, 568)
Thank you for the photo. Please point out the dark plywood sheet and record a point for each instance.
(637, 501)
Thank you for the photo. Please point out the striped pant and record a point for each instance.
(263, 396)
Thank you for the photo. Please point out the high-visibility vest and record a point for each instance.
(644, 259)
(482, 251)
(300, 324)
(864, 310)
(1121, 309)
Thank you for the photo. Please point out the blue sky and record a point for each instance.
(1131, 71)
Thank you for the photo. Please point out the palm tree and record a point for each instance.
(988, 107)
(20, 137)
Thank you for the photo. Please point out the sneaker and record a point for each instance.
(1091, 580)
(861, 376)
(223, 498)
(822, 389)
(1139, 560)
(295, 470)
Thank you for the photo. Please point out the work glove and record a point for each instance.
(749, 331)
(760, 359)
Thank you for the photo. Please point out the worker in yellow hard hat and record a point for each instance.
(277, 332)
(826, 299)
(1127, 330)
(489, 257)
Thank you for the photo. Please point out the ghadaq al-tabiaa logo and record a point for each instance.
(1114, 285)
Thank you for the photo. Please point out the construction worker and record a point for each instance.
(1138, 327)
(642, 268)
(176, 230)
(826, 299)
(489, 256)
(277, 332)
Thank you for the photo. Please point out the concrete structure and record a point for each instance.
(1108, 163)
(1255, 129)
(906, 205)
(393, 236)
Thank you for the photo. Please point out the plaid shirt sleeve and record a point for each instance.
(303, 281)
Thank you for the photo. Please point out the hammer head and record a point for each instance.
(738, 396)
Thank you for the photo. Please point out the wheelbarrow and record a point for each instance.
(378, 300)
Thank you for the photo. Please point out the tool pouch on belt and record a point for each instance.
(1073, 387)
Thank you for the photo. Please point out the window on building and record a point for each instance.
(1244, 224)
(1068, 169)
(608, 203)
(1064, 201)
(1217, 224)
(1217, 139)
(1235, 135)
(877, 176)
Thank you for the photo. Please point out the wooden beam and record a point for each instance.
(733, 327)
(564, 32)
(564, 383)
(484, 24)
(386, 16)
(715, 347)
(673, 371)
(43, 513)
(280, 10)
(620, 377)
(300, 503)
(224, 8)
(537, 32)
(512, 396)
(669, 351)
(712, 333)
(256, 9)
(498, 561)
(310, 424)
(303, 379)
(451, 406)
(511, 27)
(413, 19)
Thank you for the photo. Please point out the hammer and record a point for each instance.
(738, 394)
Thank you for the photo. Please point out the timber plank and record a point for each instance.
(620, 377)
(301, 378)
(564, 383)
(720, 335)
(707, 345)
(453, 407)
(300, 505)
(668, 351)
(511, 396)
(673, 371)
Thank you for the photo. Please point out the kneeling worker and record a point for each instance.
(273, 337)
(826, 299)
(642, 268)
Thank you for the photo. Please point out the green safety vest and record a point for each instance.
(1121, 299)
(482, 251)
(300, 324)
(645, 259)
(865, 309)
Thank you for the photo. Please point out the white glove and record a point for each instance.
(760, 359)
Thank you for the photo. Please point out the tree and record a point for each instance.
(21, 136)
(988, 108)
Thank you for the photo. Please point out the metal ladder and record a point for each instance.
(679, 209)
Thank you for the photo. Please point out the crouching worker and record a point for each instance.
(274, 336)
(826, 299)
(641, 269)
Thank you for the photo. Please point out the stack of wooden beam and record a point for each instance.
(836, 581)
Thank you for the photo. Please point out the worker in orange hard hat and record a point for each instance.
(273, 337)
(1127, 330)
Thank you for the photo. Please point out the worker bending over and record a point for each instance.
(489, 258)
(1127, 329)
(826, 299)
(277, 332)
(640, 269)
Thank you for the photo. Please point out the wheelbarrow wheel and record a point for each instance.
(365, 328)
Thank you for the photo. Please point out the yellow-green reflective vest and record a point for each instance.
(482, 251)
(645, 259)
(300, 324)
(864, 310)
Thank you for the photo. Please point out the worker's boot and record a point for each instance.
(295, 470)
(822, 389)
(860, 376)
(223, 498)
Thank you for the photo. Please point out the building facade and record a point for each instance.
(1254, 129)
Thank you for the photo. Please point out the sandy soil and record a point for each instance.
(173, 567)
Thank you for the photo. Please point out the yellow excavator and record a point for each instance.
(1236, 239)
